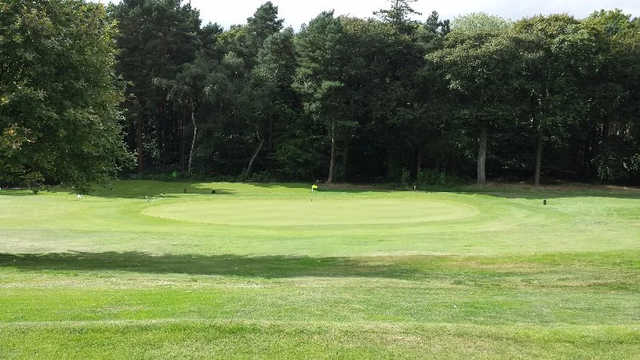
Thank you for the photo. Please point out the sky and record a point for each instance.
(297, 12)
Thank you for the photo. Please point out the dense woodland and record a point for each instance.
(143, 87)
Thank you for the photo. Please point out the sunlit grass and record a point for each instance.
(146, 269)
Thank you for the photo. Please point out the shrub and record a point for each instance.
(405, 177)
(429, 177)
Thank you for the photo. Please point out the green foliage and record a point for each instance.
(34, 181)
(59, 115)
(301, 157)
(480, 23)
(405, 178)
(428, 178)
(156, 38)
(399, 15)
(263, 24)
(617, 168)
(481, 62)
(344, 98)
(323, 65)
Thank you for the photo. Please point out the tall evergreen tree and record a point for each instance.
(272, 98)
(322, 54)
(399, 15)
(156, 38)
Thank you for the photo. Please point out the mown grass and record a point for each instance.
(147, 269)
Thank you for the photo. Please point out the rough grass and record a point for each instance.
(145, 269)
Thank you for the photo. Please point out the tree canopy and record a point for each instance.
(59, 108)
(399, 96)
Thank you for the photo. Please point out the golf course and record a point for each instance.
(150, 269)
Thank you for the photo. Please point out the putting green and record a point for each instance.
(316, 212)
(257, 220)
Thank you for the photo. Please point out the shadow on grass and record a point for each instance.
(230, 265)
(141, 189)
(481, 271)
(16, 192)
(518, 191)
(333, 188)
(501, 190)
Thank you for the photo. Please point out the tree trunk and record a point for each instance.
(193, 141)
(332, 162)
(139, 144)
(345, 158)
(247, 172)
(418, 162)
(482, 156)
(182, 145)
(270, 138)
(539, 146)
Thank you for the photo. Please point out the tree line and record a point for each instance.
(388, 98)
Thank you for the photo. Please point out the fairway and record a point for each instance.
(146, 269)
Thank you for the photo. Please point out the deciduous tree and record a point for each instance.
(59, 114)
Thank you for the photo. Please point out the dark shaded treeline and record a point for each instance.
(369, 99)
(343, 99)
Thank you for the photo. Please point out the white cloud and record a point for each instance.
(296, 12)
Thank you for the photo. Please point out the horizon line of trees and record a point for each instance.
(387, 98)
